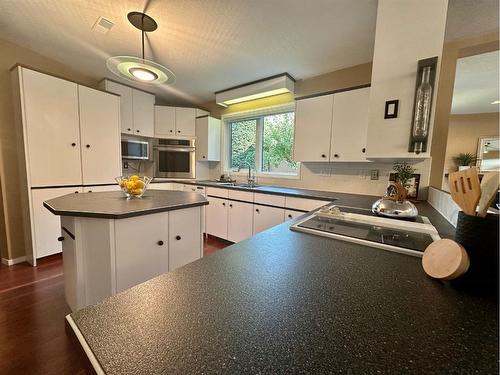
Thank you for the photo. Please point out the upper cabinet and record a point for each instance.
(136, 109)
(50, 129)
(174, 121)
(397, 51)
(350, 125)
(332, 127)
(208, 134)
(313, 122)
(164, 121)
(100, 136)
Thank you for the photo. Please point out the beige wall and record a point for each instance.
(11, 230)
(451, 52)
(463, 134)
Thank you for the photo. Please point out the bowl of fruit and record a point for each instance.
(133, 186)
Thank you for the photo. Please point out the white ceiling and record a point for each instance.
(476, 84)
(210, 45)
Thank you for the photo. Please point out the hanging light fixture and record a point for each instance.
(138, 69)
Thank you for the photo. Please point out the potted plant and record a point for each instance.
(464, 160)
(404, 172)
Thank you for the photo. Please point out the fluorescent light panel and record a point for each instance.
(256, 90)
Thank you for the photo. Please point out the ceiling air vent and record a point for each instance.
(102, 25)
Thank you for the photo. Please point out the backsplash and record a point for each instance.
(340, 177)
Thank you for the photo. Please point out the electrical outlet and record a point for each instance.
(374, 174)
(125, 165)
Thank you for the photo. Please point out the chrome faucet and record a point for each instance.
(250, 178)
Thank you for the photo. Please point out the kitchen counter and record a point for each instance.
(288, 302)
(114, 205)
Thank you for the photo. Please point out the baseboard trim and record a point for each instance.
(11, 262)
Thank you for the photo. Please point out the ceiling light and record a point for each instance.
(270, 86)
(139, 69)
(496, 102)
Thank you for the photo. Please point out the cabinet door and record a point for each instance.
(52, 134)
(239, 221)
(126, 115)
(350, 125)
(100, 136)
(161, 186)
(185, 119)
(216, 217)
(45, 226)
(265, 217)
(313, 122)
(98, 189)
(144, 113)
(164, 121)
(292, 214)
(184, 237)
(141, 249)
(202, 139)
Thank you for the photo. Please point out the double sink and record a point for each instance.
(234, 184)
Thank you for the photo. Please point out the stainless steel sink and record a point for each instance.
(241, 185)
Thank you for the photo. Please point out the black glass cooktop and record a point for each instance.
(369, 232)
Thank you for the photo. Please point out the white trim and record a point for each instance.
(93, 360)
(11, 262)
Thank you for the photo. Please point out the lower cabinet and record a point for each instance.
(216, 217)
(103, 256)
(141, 249)
(46, 227)
(239, 221)
(184, 247)
(99, 189)
(292, 214)
(265, 217)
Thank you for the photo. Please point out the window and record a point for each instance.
(265, 143)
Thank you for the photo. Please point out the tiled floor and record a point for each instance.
(32, 310)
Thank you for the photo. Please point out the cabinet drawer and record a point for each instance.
(240, 195)
(218, 192)
(272, 200)
(304, 204)
(194, 189)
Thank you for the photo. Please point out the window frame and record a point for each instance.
(257, 115)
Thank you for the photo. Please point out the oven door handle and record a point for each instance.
(178, 149)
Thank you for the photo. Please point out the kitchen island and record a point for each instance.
(111, 243)
(288, 302)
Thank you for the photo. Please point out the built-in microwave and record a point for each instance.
(174, 158)
(134, 149)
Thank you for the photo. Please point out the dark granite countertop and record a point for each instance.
(114, 204)
(288, 302)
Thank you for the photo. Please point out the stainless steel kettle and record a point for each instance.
(394, 203)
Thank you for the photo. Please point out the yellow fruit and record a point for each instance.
(134, 178)
(130, 185)
(139, 184)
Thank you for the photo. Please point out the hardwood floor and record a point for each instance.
(33, 339)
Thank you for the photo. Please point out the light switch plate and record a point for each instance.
(374, 174)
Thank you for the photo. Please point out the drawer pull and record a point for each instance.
(257, 210)
(60, 239)
(160, 243)
(178, 238)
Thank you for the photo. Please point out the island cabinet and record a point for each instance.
(333, 127)
(104, 256)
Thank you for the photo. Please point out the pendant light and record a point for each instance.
(138, 69)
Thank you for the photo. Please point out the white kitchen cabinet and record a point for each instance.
(137, 114)
(217, 192)
(304, 204)
(350, 125)
(100, 188)
(141, 249)
(100, 135)
(265, 217)
(46, 227)
(313, 120)
(161, 186)
(208, 136)
(292, 214)
(184, 247)
(143, 111)
(194, 189)
(216, 217)
(51, 129)
(164, 121)
(269, 199)
(185, 119)
(126, 110)
(239, 221)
